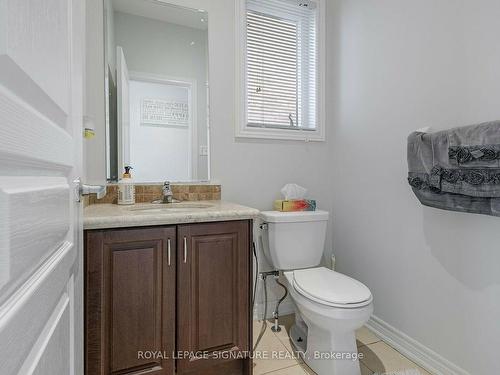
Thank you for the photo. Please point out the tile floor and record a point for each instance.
(378, 356)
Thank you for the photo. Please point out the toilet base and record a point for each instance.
(330, 346)
(298, 337)
(310, 353)
(323, 349)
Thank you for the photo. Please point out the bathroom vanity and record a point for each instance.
(168, 289)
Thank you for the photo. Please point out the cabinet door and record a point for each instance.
(130, 301)
(213, 295)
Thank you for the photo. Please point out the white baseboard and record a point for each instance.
(286, 308)
(417, 352)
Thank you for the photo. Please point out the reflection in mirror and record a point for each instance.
(156, 87)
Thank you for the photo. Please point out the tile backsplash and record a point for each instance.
(149, 193)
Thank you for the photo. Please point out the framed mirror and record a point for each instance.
(157, 94)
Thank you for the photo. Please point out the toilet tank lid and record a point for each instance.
(293, 217)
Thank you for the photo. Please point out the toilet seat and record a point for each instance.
(331, 288)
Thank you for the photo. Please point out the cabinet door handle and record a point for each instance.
(169, 251)
(185, 249)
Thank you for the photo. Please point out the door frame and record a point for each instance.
(123, 122)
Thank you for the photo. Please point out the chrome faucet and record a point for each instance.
(167, 193)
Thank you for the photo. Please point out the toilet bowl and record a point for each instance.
(331, 319)
(329, 306)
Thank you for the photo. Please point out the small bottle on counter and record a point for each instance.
(126, 188)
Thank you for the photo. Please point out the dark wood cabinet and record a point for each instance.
(165, 300)
(213, 301)
(130, 301)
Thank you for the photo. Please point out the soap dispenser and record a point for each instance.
(126, 188)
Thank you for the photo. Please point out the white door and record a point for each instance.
(154, 141)
(41, 315)
(123, 99)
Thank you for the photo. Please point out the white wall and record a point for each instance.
(403, 65)
(109, 22)
(165, 49)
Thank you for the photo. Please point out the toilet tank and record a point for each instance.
(293, 240)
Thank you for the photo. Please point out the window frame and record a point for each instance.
(242, 130)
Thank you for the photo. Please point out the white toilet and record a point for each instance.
(329, 305)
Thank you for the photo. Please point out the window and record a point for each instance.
(280, 77)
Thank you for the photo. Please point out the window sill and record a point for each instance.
(280, 134)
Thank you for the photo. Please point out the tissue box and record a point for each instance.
(295, 205)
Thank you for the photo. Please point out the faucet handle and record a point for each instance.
(167, 192)
(166, 188)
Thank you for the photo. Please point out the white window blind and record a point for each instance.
(281, 64)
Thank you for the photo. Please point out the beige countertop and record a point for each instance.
(103, 216)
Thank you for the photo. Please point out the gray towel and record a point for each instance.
(457, 169)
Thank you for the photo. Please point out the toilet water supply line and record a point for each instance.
(263, 276)
(276, 275)
(276, 327)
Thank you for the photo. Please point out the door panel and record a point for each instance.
(22, 131)
(31, 307)
(35, 54)
(130, 300)
(41, 100)
(29, 233)
(57, 330)
(213, 291)
(30, 36)
(214, 256)
(136, 297)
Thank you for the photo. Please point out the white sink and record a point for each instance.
(170, 207)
